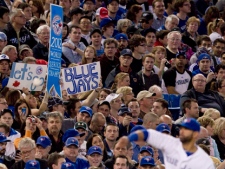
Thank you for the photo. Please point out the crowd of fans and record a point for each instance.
(147, 49)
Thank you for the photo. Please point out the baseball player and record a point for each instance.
(180, 153)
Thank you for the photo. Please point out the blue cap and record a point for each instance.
(181, 54)
(147, 160)
(191, 124)
(123, 110)
(71, 141)
(44, 141)
(32, 164)
(148, 149)
(3, 36)
(126, 52)
(121, 36)
(86, 109)
(71, 133)
(110, 1)
(3, 138)
(163, 128)
(67, 165)
(203, 56)
(105, 22)
(94, 149)
(137, 127)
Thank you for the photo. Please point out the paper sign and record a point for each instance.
(55, 50)
(22, 75)
(81, 78)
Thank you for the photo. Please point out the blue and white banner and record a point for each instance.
(30, 76)
(81, 78)
(55, 50)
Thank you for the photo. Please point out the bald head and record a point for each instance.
(167, 120)
(199, 83)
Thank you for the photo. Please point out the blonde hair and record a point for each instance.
(193, 19)
(119, 77)
(158, 48)
(25, 142)
(124, 90)
(205, 121)
(211, 27)
(219, 126)
(209, 112)
(84, 60)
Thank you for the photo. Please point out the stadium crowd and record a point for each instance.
(150, 52)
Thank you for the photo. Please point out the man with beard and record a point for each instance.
(159, 18)
(113, 7)
(147, 76)
(54, 132)
(135, 110)
(122, 41)
(177, 79)
(177, 153)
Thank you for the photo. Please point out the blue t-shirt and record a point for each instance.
(182, 24)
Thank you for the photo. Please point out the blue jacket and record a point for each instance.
(79, 164)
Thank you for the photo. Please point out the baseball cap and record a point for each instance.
(121, 36)
(71, 133)
(110, 1)
(203, 56)
(43, 115)
(3, 36)
(71, 141)
(23, 49)
(54, 101)
(148, 149)
(81, 125)
(3, 138)
(163, 128)
(147, 160)
(137, 127)
(203, 141)
(113, 96)
(102, 12)
(133, 30)
(86, 109)
(89, 0)
(102, 102)
(32, 164)
(94, 149)
(123, 110)
(126, 52)
(67, 165)
(146, 31)
(4, 57)
(201, 50)
(191, 124)
(96, 30)
(181, 54)
(105, 22)
(44, 141)
(144, 93)
(146, 16)
(76, 11)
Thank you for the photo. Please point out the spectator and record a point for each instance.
(159, 18)
(147, 76)
(108, 61)
(145, 100)
(134, 107)
(122, 41)
(27, 149)
(120, 80)
(37, 8)
(161, 38)
(75, 15)
(65, 4)
(213, 29)
(177, 79)
(103, 94)
(89, 56)
(16, 24)
(89, 8)
(190, 109)
(205, 97)
(43, 148)
(170, 23)
(41, 49)
(150, 120)
(11, 52)
(127, 94)
(73, 49)
(113, 7)
(4, 67)
(100, 14)
(55, 161)
(96, 38)
(147, 161)
(160, 107)
(107, 28)
(85, 26)
(120, 162)
(123, 24)
(95, 156)
(167, 120)
(217, 49)
(3, 103)
(146, 20)
(150, 36)
(3, 41)
(4, 17)
(134, 14)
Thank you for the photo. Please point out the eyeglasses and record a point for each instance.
(174, 40)
(199, 80)
(26, 152)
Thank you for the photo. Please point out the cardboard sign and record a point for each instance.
(81, 78)
(23, 75)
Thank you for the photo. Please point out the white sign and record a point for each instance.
(81, 78)
(26, 75)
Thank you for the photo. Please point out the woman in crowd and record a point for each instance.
(11, 98)
(103, 94)
(214, 29)
(123, 24)
(37, 8)
(127, 92)
(65, 32)
(212, 113)
(121, 79)
(134, 14)
(90, 55)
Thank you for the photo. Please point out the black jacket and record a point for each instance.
(25, 37)
(40, 51)
(21, 164)
(109, 163)
(189, 41)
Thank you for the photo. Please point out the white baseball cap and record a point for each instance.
(113, 96)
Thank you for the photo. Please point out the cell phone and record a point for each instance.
(129, 114)
(17, 152)
(24, 110)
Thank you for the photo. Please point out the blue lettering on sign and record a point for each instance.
(86, 80)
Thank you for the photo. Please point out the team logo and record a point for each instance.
(57, 25)
(39, 70)
(33, 163)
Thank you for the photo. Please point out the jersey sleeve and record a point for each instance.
(169, 77)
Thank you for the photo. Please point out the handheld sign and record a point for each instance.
(55, 50)
(81, 78)
(24, 75)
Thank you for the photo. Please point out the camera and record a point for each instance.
(167, 64)
(33, 119)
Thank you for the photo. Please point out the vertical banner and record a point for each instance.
(55, 50)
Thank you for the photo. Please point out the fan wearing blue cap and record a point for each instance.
(95, 156)
(163, 128)
(122, 41)
(32, 164)
(85, 114)
(43, 147)
(204, 63)
(3, 157)
(147, 162)
(107, 28)
(71, 153)
(145, 151)
(177, 152)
